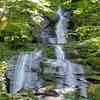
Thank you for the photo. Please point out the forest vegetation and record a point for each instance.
(20, 21)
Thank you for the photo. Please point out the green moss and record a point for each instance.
(93, 61)
(88, 70)
(70, 44)
(4, 96)
(94, 91)
(23, 94)
(49, 50)
(78, 60)
(95, 77)
(97, 67)
(69, 96)
(5, 52)
(49, 79)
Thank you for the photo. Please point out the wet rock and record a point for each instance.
(65, 90)
(92, 80)
(52, 98)
(24, 94)
(51, 93)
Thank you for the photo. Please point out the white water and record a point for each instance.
(19, 73)
(61, 27)
(23, 74)
(66, 68)
(59, 52)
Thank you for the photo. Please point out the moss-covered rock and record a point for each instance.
(95, 61)
(69, 96)
(94, 91)
(4, 96)
(49, 79)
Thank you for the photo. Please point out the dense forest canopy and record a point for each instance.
(21, 19)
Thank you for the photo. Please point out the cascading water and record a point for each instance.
(66, 68)
(25, 72)
(19, 73)
(24, 75)
(59, 52)
(61, 27)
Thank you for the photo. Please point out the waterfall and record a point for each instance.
(24, 75)
(59, 52)
(19, 73)
(61, 27)
(66, 68)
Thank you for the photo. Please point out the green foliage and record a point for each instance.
(70, 96)
(88, 70)
(4, 52)
(49, 50)
(71, 44)
(20, 20)
(4, 96)
(84, 6)
(3, 65)
(50, 80)
(88, 32)
(94, 61)
(16, 42)
(86, 18)
(94, 91)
